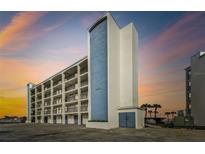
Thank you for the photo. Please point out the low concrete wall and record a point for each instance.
(98, 125)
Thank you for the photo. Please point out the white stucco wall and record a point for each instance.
(113, 72)
(128, 66)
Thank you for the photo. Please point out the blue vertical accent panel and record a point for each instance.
(98, 71)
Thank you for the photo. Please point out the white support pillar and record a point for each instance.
(36, 105)
(42, 105)
(79, 95)
(52, 101)
(63, 99)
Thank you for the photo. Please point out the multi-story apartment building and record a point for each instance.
(100, 91)
(195, 87)
(62, 98)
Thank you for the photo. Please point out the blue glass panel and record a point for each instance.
(98, 71)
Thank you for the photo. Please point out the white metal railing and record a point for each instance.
(71, 98)
(57, 111)
(85, 83)
(72, 109)
(57, 83)
(84, 95)
(69, 77)
(68, 88)
(47, 112)
(83, 71)
(47, 103)
(57, 101)
(84, 108)
(57, 92)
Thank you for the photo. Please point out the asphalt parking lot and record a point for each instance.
(72, 133)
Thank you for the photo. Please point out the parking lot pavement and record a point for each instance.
(73, 133)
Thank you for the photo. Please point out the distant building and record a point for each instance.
(99, 90)
(195, 89)
(12, 119)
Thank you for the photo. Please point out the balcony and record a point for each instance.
(57, 111)
(71, 98)
(55, 84)
(57, 102)
(84, 108)
(84, 95)
(83, 71)
(70, 77)
(71, 109)
(47, 88)
(47, 112)
(33, 106)
(47, 104)
(84, 83)
(38, 112)
(47, 95)
(57, 92)
(70, 87)
(38, 105)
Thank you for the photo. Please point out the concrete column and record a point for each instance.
(42, 105)
(63, 99)
(52, 101)
(79, 94)
(28, 105)
(36, 105)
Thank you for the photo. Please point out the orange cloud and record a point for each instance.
(18, 25)
(12, 106)
(15, 74)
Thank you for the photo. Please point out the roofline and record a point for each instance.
(81, 60)
(187, 68)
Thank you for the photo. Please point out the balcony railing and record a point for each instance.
(70, 98)
(57, 83)
(38, 105)
(84, 108)
(56, 102)
(68, 88)
(69, 77)
(72, 109)
(57, 111)
(47, 112)
(57, 92)
(46, 88)
(47, 103)
(83, 71)
(85, 83)
(47, 95)
(84, 95)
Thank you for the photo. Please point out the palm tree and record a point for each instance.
(156, 106)
(150, 113)
(167, 114)
(145, 106)
(173, 113)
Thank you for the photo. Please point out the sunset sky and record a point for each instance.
(35, 45)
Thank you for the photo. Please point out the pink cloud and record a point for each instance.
(12, 33)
